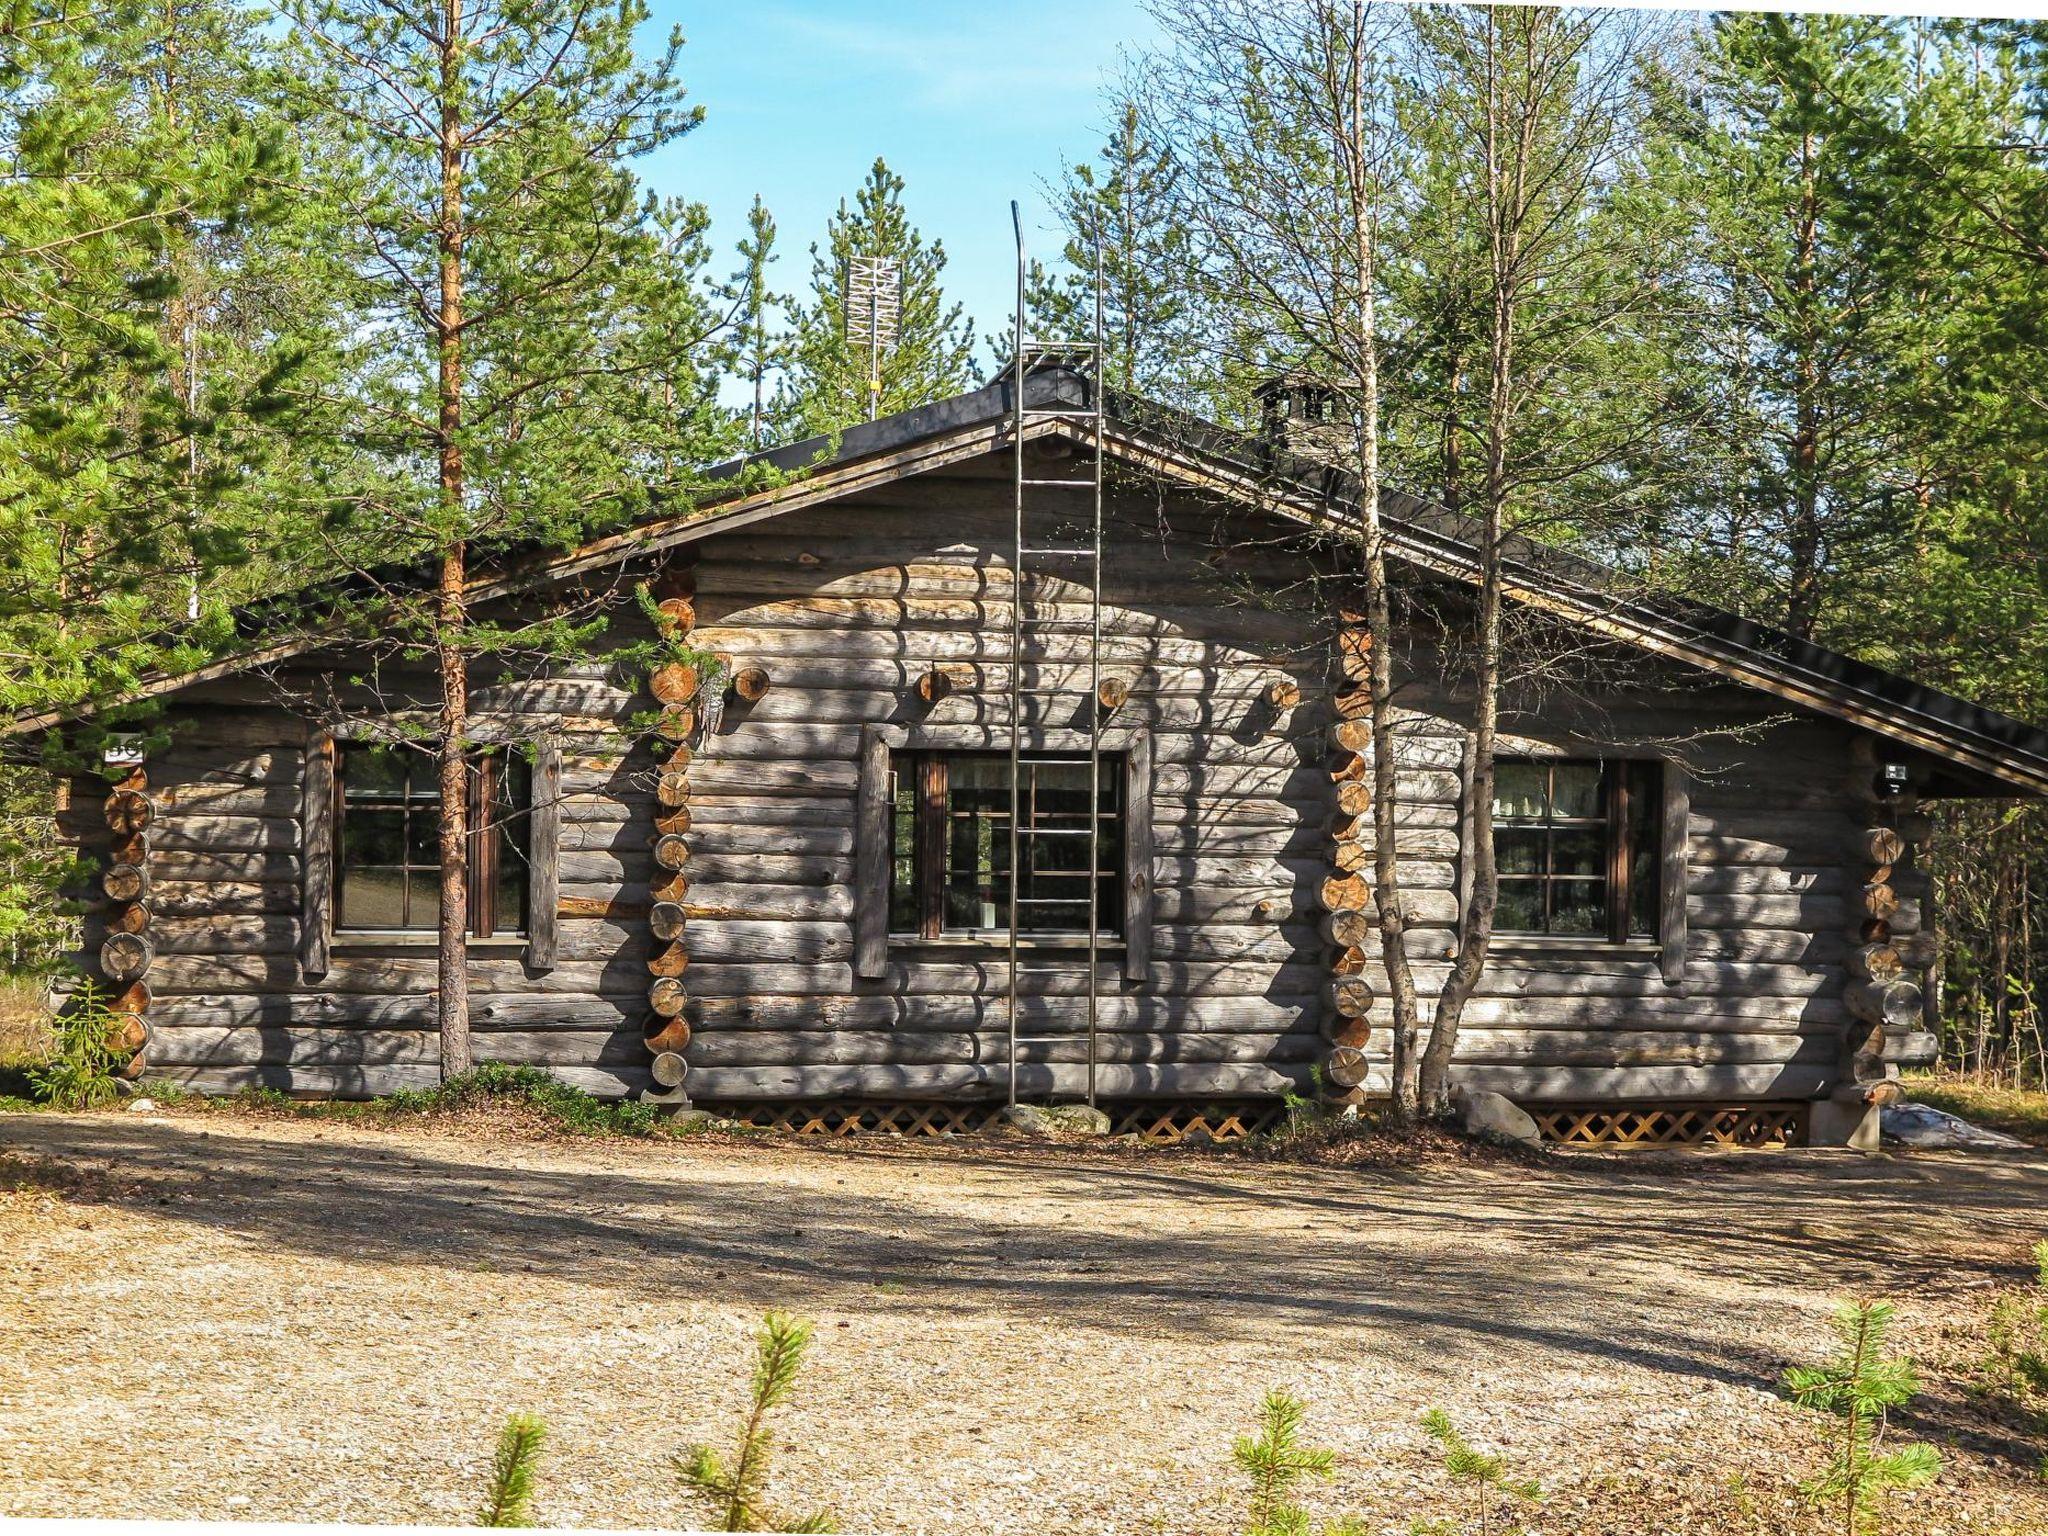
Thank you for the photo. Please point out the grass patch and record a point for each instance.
(2021, 1112)
(27, 1032)
(495, 1091)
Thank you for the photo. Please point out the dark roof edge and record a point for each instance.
(1714, 633)
(1983, 741)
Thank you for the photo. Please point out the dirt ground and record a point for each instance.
(261, 1318)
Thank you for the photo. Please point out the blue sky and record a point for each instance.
(971, 103)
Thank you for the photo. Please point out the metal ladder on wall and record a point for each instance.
(1042, 538)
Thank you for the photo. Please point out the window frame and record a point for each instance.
(1622, 822)
(934, 813)
(483, 775)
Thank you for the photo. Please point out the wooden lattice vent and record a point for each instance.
(127, 951)
(1152, 1121)
(1673, 1125)
(1345, 894)
(675, 684)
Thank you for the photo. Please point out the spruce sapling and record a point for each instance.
(1859, 1385)
(1277, 1462)
(510, 1499)
(1487, 1476)
(740, 1489)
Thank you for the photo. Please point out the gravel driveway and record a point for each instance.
(268, 1318)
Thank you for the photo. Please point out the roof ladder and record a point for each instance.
(1055, 543)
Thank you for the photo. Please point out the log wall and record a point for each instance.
(844, 616)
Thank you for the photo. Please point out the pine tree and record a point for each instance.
(531, 363)
(1486, 1475)
(145, 170)
(1860, 1385)
(1810, 324)
(933, 355)
(1277, 1464)
(1125, 201)
(759, 349)
(509, 1499)
(739, 1488)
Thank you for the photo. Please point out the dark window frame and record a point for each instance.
(487, 773)
(918, 879)
(1633, 862)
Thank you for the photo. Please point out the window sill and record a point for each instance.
(1557, 944)
(418, 938)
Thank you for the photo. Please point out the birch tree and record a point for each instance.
(1283, 126)
(1470, 165)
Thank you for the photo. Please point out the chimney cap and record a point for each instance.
(1301, 396)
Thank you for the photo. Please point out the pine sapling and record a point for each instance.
(1860, 1385)
(739, 1488)
(510, 1499)
(1486, 1476)
(1278, 1463)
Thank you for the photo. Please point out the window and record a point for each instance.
(388, 804)
(1576, 844)
(950, 845)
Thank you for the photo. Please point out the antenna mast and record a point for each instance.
(874, 310)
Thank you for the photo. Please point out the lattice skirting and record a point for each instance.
(1151, 1120)
(1673, 1125)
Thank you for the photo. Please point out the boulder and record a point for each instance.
(1055, 1122)
(1922, 1125)
(1494, 1117)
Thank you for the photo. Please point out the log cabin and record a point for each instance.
(771, 873)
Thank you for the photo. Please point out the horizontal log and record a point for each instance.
(712, 1048)
(1146, 1080)
(363, 1082)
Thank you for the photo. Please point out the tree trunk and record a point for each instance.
(1802, 596)
(452, 1006)
(1379, 623)
(1507, 206)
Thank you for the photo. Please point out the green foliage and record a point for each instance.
(569, 1109)
(1124, 201)
(827, 385)
(1860, 1385)
(1277, 1464)
(1485, 1476)
(80, 1072)
(738, 1488)
(144, 369)
(2016, 1358)
(509, 1500)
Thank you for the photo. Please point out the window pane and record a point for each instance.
(1061, 792)
(1578, 906)
(903, 848)
(1518, 790)
(1646, 864)
(1576, 790)
(1579, 853)
(1521, 907)
(1519, 852)
(508, 899)
(508, 905)
(977, 863)
(383, 771)
(423, 836)
(372, 837)
(1055, 917)
(375, 898)
(979, 783)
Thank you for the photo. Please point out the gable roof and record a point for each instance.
(1997, 751)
